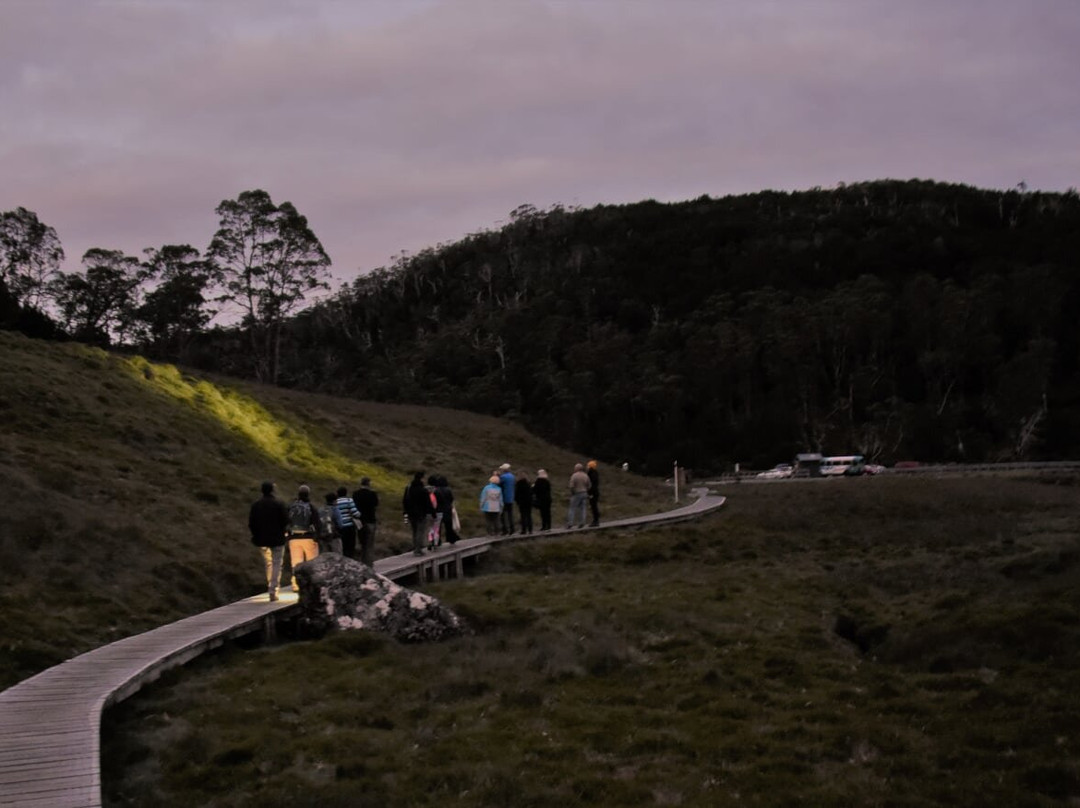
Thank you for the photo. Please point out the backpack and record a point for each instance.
(300, 518)
(326, 515)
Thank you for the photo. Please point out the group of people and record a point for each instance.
(344, 524)
(505, 489)
(347, 524)
(430, 512)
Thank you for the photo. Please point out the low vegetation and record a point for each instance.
(127, 486)
(882, 641)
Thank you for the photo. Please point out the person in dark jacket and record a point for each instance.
(444, 499)
(367, 502)
(594, 492)
(524, 499)
(541, 493)
(419, 511)
(268, 521)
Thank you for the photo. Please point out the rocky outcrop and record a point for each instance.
(339, 593)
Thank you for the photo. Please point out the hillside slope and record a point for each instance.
(127, 486)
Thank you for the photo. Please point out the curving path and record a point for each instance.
(49, 723)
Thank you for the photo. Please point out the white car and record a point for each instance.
(779, 472)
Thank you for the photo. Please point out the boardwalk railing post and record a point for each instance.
(269, 631)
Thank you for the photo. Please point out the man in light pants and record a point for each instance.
(268, 520)
(579, 497)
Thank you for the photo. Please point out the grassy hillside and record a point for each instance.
(877, 641)
(126, 486)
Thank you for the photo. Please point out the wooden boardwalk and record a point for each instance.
(49, 723)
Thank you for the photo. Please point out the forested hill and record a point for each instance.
(896, 319)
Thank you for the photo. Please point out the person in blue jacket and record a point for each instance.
(508, 482)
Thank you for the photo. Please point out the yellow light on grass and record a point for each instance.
(285, 444)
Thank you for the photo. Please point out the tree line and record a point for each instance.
(263, 259)
(900, 320)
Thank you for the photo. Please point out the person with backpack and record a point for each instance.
(304, 531)
(330, 542)
(416, 504)
(367, 501)
(491, 504)
(346, 515)
(268, 521)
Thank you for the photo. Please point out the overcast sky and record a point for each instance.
(397, 125)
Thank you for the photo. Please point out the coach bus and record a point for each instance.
(843, 466)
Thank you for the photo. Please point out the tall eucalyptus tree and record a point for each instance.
(30, 256)
(267, 260)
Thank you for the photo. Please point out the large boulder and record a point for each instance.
(339, 593)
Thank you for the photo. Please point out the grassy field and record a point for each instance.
(127, 486)
(863, 642)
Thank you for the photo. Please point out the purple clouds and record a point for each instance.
(397, 125)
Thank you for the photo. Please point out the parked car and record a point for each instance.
(873, 468)
(778, 472)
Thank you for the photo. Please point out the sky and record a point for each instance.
(397, 125)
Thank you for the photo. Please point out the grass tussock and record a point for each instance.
(894, 642)
(127, 486)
